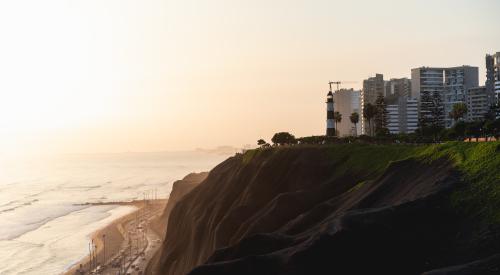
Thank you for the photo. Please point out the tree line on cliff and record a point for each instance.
(431, 127)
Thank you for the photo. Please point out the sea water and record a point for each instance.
(44, 222)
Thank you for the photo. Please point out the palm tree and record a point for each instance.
(337, 117)
(459, 110)
(369, 112)
(354, 120)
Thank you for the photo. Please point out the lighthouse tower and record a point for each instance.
(330, 124)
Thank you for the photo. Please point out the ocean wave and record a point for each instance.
(12, 229)
(19, 205)
(9, 203)
(82, 187)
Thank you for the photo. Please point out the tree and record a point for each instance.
(262, 143)
(492, 128)
(495, 129)
(431, 118)
(424, 119)
(312, 140)
(492, 121)
(382, 132)
(493, 113)
(474, 130)
(283, 138)
(381, 114)
(450, 134)
(487, 129)
(337, 117)
(459, 129)
(354, 120)
(459, 110)
(369, 112)
(437, 111)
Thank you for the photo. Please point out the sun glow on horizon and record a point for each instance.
(71, 65)
(130, 75)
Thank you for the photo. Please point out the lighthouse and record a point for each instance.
(330, 124)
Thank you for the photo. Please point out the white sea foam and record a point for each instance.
(43, 227)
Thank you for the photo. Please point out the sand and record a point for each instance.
(115, 235)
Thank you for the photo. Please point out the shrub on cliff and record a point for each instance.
(283, 138)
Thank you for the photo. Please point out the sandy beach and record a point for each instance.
(115, 233)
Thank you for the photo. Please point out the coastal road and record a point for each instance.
(138, 266)
(139, 246)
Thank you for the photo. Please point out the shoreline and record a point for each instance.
(115, 233)
(121, 203)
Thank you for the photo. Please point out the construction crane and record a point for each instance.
(338, 84)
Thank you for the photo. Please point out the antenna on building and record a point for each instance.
(338, 84)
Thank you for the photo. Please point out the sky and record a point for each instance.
(87, 76)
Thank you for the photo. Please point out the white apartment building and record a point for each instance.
(403, 116)
(451, 84)
(346, 102)
(493, 75)
(478, 103)
(372, 87)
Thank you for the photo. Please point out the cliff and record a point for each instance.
(355, 209)
(179, 189)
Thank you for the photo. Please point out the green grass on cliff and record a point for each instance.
(368, 160)
(479, 164)
(480, 167)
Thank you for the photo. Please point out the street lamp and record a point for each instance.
(92, 255)
(104, 249)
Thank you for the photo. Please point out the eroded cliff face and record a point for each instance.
(179, 189)
(324, 210)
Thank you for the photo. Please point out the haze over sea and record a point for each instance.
(43, 230)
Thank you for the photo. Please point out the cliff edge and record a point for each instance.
(345, 209)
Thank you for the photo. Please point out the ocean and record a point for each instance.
(44, 227)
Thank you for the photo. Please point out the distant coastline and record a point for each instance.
(121, 203)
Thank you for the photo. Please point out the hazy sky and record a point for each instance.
(147, 75)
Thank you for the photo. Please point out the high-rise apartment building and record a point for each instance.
(398, 87)
(410, 116)
(348, 101)
(493, 76)
(371, 88)
(458, 81)
(402, 117)
(478, 103)
(393, 118)
(426, 82)
(448, 85)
